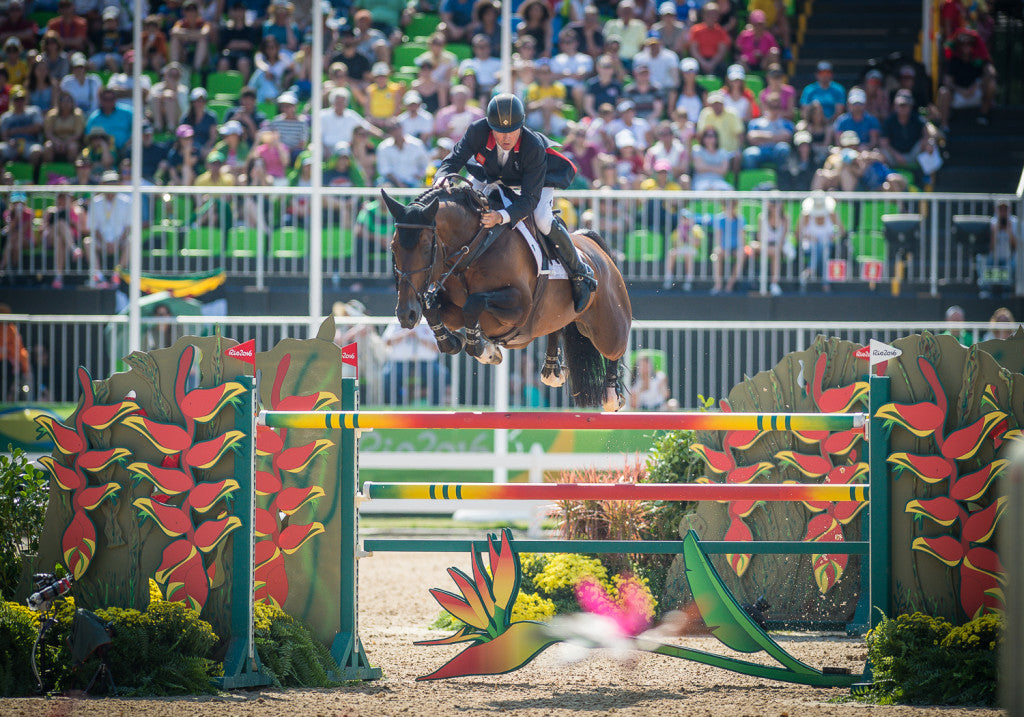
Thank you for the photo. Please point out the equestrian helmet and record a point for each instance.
(505, 113)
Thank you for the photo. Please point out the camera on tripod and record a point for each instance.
(48, 588)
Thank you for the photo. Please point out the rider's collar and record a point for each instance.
(492, 142)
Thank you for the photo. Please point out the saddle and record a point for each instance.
(495, 202)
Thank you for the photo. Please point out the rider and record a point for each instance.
(499, 148)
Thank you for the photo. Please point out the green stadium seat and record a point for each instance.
(220, 108)
(268, 108)
(56, 169)
(242, 242)
(406, 53)
(422, 24)
(709, 83)
(751, 179)
(202, 241)
(658, 358)
(288, 243)
(644, 245)
(755, 83)
(461, 50)
(337, 243)
(23, 172)
(224, 85)
(160, 240)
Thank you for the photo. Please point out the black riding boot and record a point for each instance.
(580, 274)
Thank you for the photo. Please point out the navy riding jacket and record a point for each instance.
(532, 165)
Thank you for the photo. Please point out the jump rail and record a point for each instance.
(560, 420)
(616, 491)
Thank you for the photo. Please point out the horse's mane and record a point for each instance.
(463, 195)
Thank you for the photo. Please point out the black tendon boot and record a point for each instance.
(580, 273)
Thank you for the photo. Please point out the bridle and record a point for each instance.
(428, 297)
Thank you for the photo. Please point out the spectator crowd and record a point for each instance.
(643, 95)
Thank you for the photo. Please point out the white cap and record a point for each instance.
(111, 13)
(198, 93)
(736, 72)
(624, 138)
(288, 98)
(857, 96)
(689, 64)
(231, 127)
(380, 68)
(818, 204)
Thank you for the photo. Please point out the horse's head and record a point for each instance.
(413, 254)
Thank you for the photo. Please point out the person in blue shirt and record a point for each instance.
(825, 90)
(114, 119)
(858, 119)
(728, 228)
(768, 137)
(457, 16)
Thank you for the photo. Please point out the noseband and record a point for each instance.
(428, 297)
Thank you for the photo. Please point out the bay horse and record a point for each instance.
(446, 271)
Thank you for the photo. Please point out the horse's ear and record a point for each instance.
(430, 209)
(395, 208)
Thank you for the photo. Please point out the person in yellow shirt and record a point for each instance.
(383, 97)
(730, 128)
(545, 100)
(15, 63)
(215, 210)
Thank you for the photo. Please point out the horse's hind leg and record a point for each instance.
(553, 373)
(613, 398)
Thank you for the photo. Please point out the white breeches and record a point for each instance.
(543, 214)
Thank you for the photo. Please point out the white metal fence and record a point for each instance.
(262, 234)
(699, 358)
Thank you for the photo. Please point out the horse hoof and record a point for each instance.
(613, 401)
(489, 354)
(554, 379)
(452, 344)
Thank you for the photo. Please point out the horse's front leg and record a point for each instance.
(504, 304)
(613, 398)
(448, 341)
(553, 373)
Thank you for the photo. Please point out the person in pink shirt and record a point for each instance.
(777, 85)
(453, 120)
(755, 46)
(274, 154)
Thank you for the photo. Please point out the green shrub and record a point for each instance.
(919, 659)
(166, 650)
(17, 633)
(288, 651)
(671, 460)
(23, 498)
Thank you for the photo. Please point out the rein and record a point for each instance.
(462, 259)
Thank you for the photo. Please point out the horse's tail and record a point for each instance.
(599, 240)
(588, 369)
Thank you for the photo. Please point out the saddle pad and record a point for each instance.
(553, 268)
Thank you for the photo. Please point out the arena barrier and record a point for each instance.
(347, 649)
